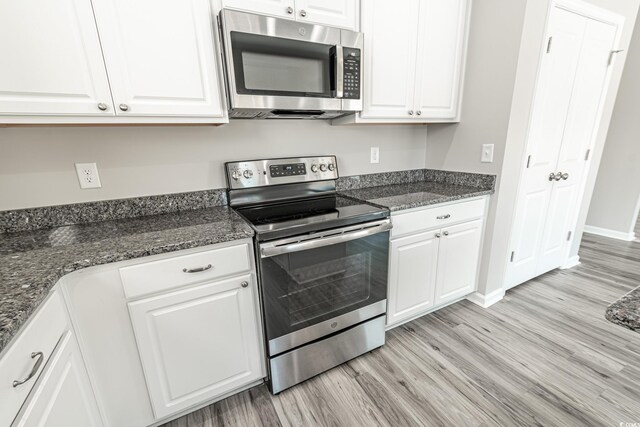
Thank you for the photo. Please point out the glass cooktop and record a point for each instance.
(310, 214)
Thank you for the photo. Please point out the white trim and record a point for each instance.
(613, 234)
(573, 261)
(486, 301)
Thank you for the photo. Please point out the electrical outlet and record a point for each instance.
(88, 175)
(487, 153)
(375, 155)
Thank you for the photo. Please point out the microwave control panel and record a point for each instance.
(351, 73)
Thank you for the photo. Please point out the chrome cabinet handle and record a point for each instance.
(564, 176)
(411, 112)
(444, 216)
(124, 107)
(102, 106)
(290, 10)
(438, 235)
(197, 270)
(303, 13)
(244, 284)
(34, 370)
(418, 112)
(556, 176)
(446, 233)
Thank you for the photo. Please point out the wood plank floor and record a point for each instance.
(544, 355)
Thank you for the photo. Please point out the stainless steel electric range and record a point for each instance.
(322, 264)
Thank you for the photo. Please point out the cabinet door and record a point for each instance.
(198, 343)
(51, 60)
(334, 13)
(161, 57)
(458, 261)
(64, 396)
(390, 58)
(412, 276)
(441, 51)
(279, 8)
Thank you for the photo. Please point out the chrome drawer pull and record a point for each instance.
(34, 370)
(197, 270)
(444, 216)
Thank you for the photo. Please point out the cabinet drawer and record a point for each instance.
(435, 217)
(41, 335)
(170, 273)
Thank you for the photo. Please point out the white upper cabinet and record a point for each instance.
(333, 13)
(441, 44)
(414, 61)
(51, 60)
(160, 57)
(389, 61)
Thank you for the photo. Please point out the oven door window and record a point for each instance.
(303, 288)
(280, 67)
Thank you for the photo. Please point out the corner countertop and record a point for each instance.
(32, 262)
(399, 197)
(626, 311)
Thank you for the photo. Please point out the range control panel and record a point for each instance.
(260, 173)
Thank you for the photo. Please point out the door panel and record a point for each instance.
(197, 343)
(458, 261)
(412, 275)
(334, 13)
(279, 8)
(548, 118)
(390, 60)
(160, 57)
(441, 40)
(56, 65)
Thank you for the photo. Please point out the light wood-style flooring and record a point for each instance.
(545, 355)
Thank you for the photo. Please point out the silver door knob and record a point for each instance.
(290, 10)
(411, 112)
(419, 112)
(124, 107)
(244, 284)
(303, 13)
(565, 176)
(102, 106)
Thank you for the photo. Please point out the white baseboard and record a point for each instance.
(571, 262)
(488, 300)
(613, 234)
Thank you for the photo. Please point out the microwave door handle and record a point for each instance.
(274, 249)
(339, 72)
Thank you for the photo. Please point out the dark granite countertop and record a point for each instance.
(626, 311)
(31, 262)
(416, 194)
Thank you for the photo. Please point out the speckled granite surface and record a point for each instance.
(31, 262)
(82, 213)
(626, 311)
(435, 187)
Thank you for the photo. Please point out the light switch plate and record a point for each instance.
(88, 175)
(375, 154)
(487, 153)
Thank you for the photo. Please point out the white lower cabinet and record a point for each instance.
(430, 268)
(63, 396)
(198, 343)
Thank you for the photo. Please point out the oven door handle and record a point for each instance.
(280, 247)
(339, 72)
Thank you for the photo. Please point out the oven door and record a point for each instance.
(279, 64)
(319, 284)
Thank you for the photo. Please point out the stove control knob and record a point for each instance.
(332, 167)
(236, 174)
(314, 168)
(247, 174)
(323, 168)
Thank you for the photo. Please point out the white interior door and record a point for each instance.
(582, 122)
(161, 57)
(565, 113)
(51, 62)
(389, 68)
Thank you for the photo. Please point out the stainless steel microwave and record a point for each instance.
(277, 68)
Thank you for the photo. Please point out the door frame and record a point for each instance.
(587, 10)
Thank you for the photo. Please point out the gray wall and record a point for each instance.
(36, 164)
(617, 192)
